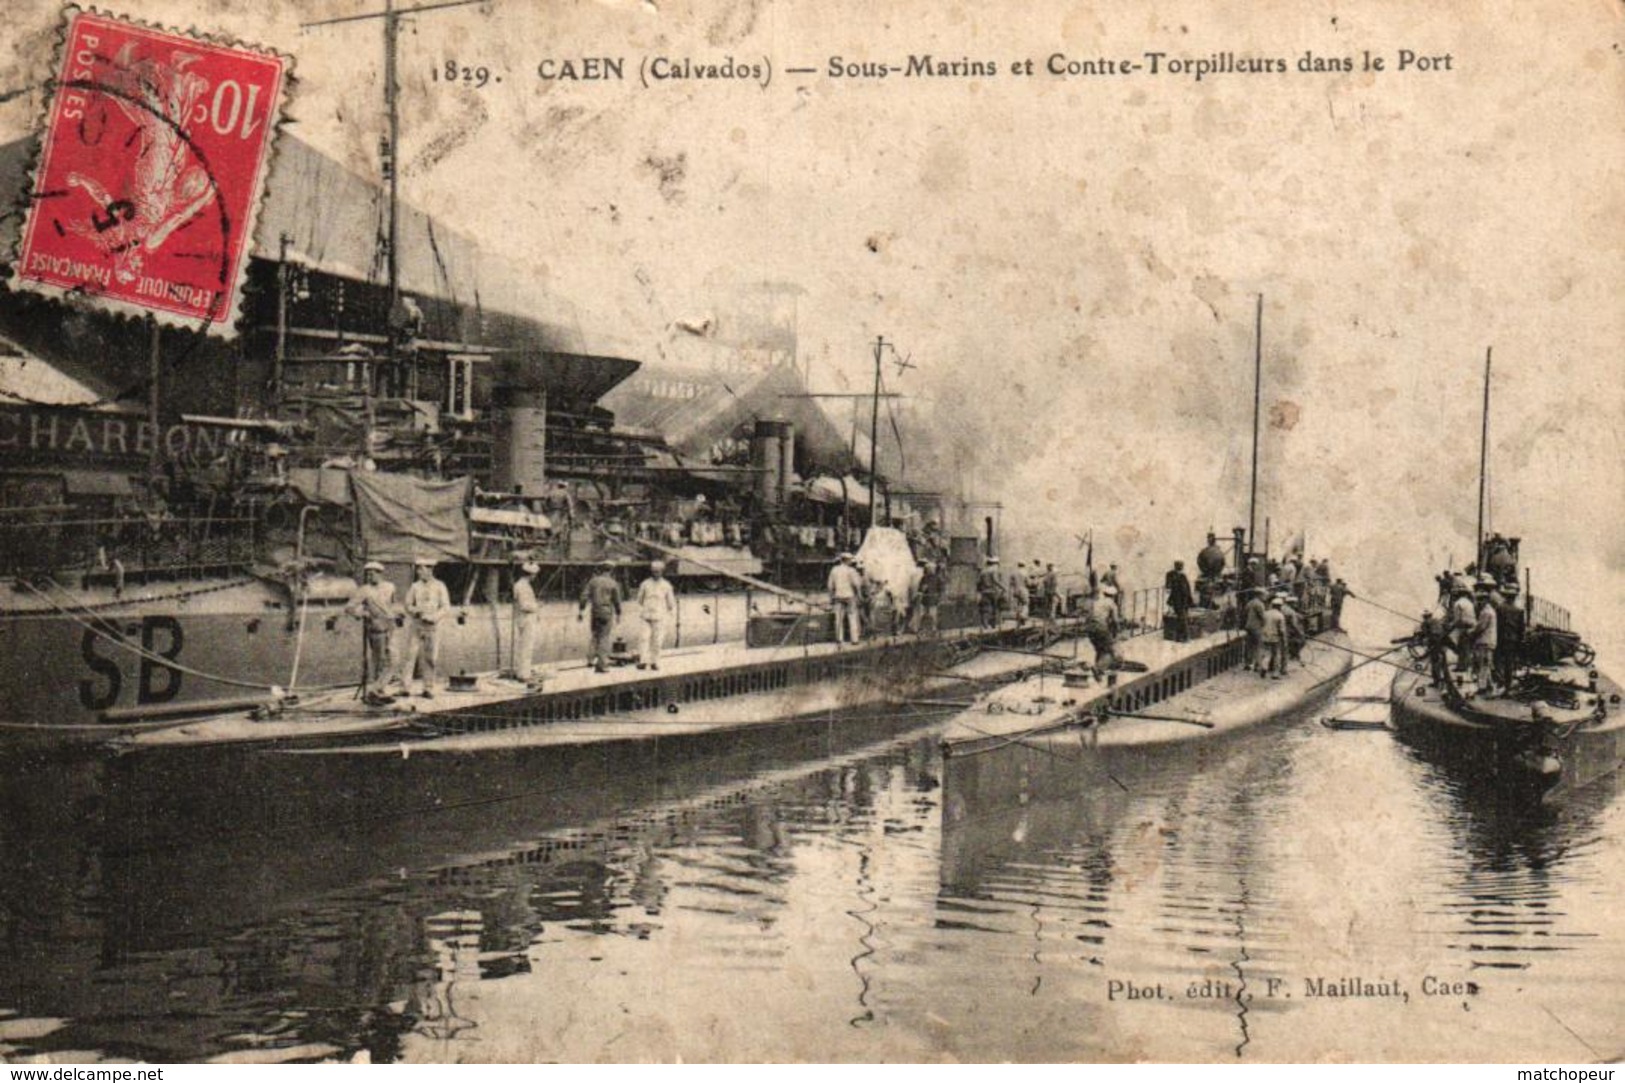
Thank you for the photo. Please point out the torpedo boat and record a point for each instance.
(1531, 718)
(1210, 674)
(1145, 692)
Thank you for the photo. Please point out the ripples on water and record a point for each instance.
(840, 893)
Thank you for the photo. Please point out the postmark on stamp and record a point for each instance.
(151, 170)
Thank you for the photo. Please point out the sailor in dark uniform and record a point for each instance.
(602, 597)
(989, 594)
(1340, 591)
(1178, 587)
(1253, 624)
(1509, 635)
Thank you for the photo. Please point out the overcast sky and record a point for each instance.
(1072, 263)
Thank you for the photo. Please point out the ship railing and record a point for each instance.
(1142, 611)
(1543, 613)
(124, 549)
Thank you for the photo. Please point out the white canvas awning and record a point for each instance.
(828, 490)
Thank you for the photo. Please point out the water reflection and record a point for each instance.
(1147, 862)
(241, 904)
(1505, 906)
(833, 893)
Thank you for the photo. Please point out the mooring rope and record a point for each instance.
(152, 656)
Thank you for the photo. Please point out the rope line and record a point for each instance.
(102, 727)
(151, 656)
(118, 603)
(1369, 658)
(1379, 605)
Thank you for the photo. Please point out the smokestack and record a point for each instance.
(519, 441)
(787, 459)
(766, 458)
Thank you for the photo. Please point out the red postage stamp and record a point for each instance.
(151, 170)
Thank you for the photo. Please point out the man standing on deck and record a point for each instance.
(1485, 641)
(989, 594)
(1180, 600)
(1273, 638)
(601, 595)
(427, 604)
(1446, 581)
(1509, 627)
(1037, 604)
(1463, 616)
(374, 605)
(1052, 593)
(928, 599)
(1019, 597)
(1113, 591)
(869, 590)
(1339, 591)
(1296, 630)
(846, 599)
(527, 621)
(1253, 576)
(1302, 594)
(658, 604)
(1253, 623)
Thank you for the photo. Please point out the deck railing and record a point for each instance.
(1142, 611)
(47, 541)
(1547, 614)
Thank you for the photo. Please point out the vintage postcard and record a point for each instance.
(609, 531)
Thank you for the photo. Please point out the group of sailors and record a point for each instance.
(427, 605)
(855, 598)
(1268, 601)
(601, 599)
(1276, 604)
(1034, 591)
(1026, 592)
(1276, 631)
(1483, 626)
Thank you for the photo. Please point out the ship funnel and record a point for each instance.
(519, 441)
(767, 455)
(787, 459)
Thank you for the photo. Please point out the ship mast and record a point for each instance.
(874, 417)
(1258, 390)
(1483, 466)
(389, 155)
(390, 160)
(874, 438)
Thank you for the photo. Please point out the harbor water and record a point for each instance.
(838, 890)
